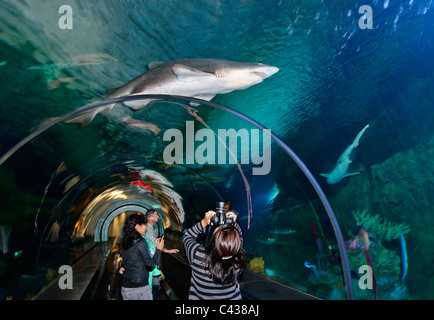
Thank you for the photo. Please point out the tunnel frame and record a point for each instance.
(335, 225)
(104, 221)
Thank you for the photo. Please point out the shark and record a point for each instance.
(197, 78)
(341, 167)
(283, 231)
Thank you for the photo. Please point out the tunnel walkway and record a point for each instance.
(93, 280)
(253, 286)
(85, 270)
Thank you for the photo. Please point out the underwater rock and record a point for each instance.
(400, 293)
(404, 184)
(398, 189)
(423, 243)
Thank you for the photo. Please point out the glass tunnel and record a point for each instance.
(328, 161)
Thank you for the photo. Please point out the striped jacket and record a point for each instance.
(202, 286)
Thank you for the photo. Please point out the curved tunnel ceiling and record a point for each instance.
(334, 79)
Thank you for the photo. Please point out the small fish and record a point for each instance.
(92, 58)
(283, 231)
(56, 83)
(314, 269)
(269, 241)
(403, 257)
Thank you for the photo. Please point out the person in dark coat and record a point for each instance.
(136, 260)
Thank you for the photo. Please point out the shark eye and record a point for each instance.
(263, 75)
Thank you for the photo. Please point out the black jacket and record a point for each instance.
(137, 263)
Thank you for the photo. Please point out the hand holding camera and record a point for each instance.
(160, 243)
(231, 217)
(223, 215)
(208, 217)
(219, 217)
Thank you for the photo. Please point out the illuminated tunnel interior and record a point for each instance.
(341, 92)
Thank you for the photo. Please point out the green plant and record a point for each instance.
(379, 227)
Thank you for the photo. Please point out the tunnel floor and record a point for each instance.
(93, 280)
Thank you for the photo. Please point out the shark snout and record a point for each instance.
(272, 70)
(266, 71)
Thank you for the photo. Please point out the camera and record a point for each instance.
(220, 217)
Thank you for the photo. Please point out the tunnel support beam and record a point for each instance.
(103, 224)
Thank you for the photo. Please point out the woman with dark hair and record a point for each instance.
(215, 269)
(136, 260)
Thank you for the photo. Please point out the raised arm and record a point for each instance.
(191, 235)
(190, 242)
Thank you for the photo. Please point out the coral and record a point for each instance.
(380, 228)
(257, 264)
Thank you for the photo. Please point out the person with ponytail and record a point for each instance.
(136, 260)
(216, 267)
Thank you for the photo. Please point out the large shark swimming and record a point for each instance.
(197, 78)
(340, 170)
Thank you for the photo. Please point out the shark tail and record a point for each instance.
(87, 117)
(83, 119)
(352, 174)
(359, 135)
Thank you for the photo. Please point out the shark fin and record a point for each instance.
(84, 119)
(111, 90)
(107, 109)
(205, 97)
(187, 74)
(196, 104)
(137, 104)
(138, 124)
(154, 64)
(325, 174)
